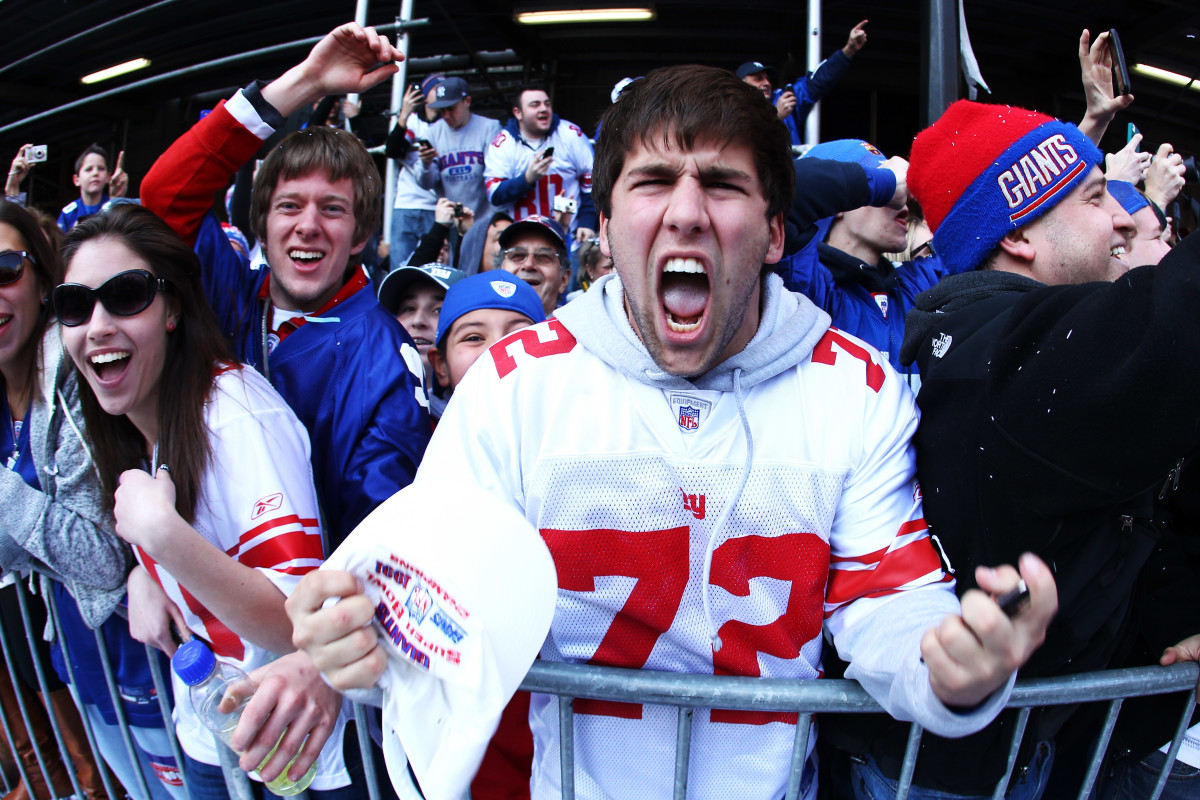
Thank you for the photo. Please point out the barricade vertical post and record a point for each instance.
(1014, 748)
(566, 746)
(1176, 743)
(370, 773)
(160, 688)
(12, 675)
(236, 781)
(119, 710)
(910, 761)
(39, 670)
(101, 767)
(683, 751)
(1110, 722)
(799, 756)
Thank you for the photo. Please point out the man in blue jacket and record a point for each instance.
(309, 321)
(841, 264)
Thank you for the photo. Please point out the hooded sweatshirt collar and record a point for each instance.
(789, 327)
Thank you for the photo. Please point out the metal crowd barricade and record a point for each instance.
(686, 693)
(690, 692)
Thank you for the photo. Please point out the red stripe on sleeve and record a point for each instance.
(894, 570)
(258, 530)
(282, 548)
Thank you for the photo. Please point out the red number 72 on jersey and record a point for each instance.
(658, 561)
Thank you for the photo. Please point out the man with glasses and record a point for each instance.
(535, 250)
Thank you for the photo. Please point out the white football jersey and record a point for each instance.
(570, 171)
(827, 530)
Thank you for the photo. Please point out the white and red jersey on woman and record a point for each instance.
(820, 529)
(258, 505)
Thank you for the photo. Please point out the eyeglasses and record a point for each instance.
(543, 258)
(124, 294)
(925, 248)
(12, 265)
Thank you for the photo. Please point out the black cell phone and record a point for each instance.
(1120, 69)
(423, 143)
(548, 152)
(458, 210)
(1012, 601)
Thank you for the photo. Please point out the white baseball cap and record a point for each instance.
(465, 591)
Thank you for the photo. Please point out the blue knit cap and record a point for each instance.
(494, 289)
(1128, 196)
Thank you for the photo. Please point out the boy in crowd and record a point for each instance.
(95, 184)
(478, 312)
(414, 296)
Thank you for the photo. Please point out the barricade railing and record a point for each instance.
(685, 693)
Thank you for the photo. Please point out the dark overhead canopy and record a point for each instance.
(1025, 50)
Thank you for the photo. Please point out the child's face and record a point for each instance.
(93, 175)
(468, 338)
(418, 313)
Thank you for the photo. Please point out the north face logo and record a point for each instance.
(941, 344)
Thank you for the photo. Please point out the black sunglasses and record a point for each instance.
(12, 265)
(124, 294)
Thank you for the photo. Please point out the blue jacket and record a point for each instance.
(809, 90)
(342, 371)
(847, 290)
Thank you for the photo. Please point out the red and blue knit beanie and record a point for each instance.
(983, 170)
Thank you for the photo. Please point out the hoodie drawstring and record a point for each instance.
(727, 511)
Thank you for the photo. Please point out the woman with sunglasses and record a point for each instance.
(54, 515)
(206, 467)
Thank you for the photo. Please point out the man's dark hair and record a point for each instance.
(92, 148)
(685, 104)
(533, 86)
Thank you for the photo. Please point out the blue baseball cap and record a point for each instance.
(755, 67)
(1128, 196)
(849, 151)
(494, 289)
(449, 92)
(547, 224)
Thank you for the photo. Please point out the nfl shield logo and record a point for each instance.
(418, 604)
(504, 288)
(689, 418)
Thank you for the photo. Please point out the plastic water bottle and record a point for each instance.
(209, 680)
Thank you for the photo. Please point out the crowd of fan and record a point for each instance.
(201, 404)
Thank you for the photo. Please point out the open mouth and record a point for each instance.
(1119, 252)
(5, 320)
(685, 294)
(306, 258)
(109, 366)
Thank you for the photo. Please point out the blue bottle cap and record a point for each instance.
(193, 662)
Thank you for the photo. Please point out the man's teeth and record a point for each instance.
(681, 327)
(108, 358)
(1118, 251)
(305, 255)
(688, 265)
(5, 320)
